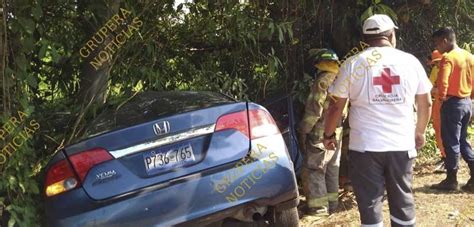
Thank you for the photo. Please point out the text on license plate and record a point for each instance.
(170, 159)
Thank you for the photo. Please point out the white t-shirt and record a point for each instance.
(381, 84)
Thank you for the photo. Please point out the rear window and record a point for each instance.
(151, 105)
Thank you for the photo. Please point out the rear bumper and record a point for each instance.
(279, 204)
(205, 197)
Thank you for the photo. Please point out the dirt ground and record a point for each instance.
(433, 208)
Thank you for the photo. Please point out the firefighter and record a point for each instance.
(320, 172)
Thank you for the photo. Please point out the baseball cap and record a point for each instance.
(377, 24)
(436, 56)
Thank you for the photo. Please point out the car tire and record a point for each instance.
(286, 218)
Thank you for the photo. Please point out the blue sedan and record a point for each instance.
(175, 158)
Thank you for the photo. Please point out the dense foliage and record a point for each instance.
(250, 49)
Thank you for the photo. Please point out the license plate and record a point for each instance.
(176, 157)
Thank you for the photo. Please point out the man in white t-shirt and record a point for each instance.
(383, 84)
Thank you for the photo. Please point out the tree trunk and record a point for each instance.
(4, 56)
(93, 84)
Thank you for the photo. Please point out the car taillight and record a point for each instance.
(60, 178)
(85, 160)
(261, 124)
(237, 120)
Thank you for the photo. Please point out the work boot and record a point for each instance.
(318, 211)
(471, 168)
(448, 184)
(469, 186)
(332, 207)
(348, 186)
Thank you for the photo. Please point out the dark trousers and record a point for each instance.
(373, 172)
(455, 116)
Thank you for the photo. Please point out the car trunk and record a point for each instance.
(155, 140)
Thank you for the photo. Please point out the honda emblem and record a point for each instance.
(161, 127)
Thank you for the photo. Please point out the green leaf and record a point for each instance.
(272, 28)
(11, 222)
(280, 34)
(42, 51)
(34, 189)
(54, 55)
(290, 31)
(388, 11)
(468, 46)
(366, 14)
(361, 2)
(9, 207)
(20, 61)
(37, 12)
(24, 103)
(28, 24)
(9, 71)
(28, 43)
(32, 82)
(12, 180)
(179, 8)
(377, 1)
(22, 187)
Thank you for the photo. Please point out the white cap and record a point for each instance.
(377, 24)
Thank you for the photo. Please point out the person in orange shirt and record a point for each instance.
(436, 108)
(455, 88)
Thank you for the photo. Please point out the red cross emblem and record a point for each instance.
(386, 80)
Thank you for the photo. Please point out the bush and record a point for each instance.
(430, 150)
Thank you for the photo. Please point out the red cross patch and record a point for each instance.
(386, 80)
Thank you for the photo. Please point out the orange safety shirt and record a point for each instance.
(455, 77)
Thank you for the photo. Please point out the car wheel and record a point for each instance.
(283, 218)
(286, 218)
(235, 223)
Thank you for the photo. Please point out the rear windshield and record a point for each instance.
(151, 105)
